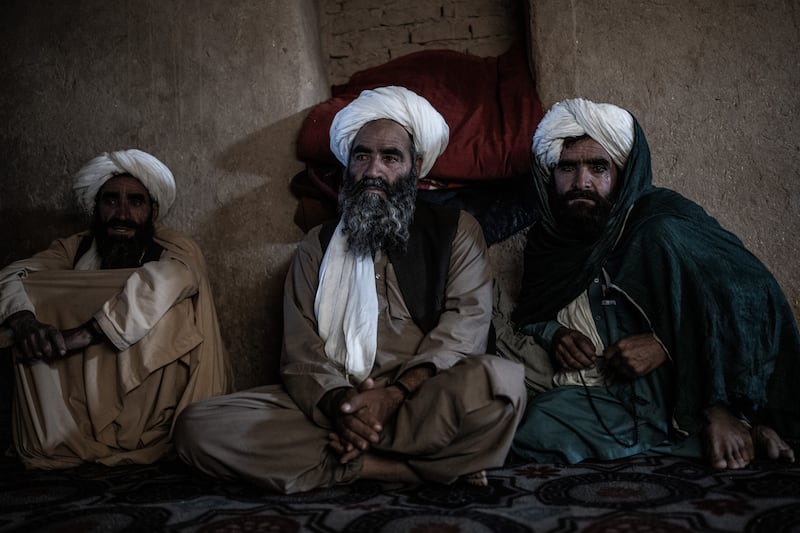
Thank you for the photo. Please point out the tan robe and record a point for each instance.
(114, 402)
(460, 421)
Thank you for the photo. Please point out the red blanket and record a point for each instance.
(490, 104)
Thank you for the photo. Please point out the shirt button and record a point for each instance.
(596, 280)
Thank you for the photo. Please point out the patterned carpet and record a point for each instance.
(643, 494)
(646, 494)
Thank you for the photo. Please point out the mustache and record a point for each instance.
(370, 183)
(116, 222)
(585, 195)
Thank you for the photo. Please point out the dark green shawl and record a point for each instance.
(722, 316)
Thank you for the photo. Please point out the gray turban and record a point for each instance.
(153, 174)
(426, 126)
(609, 125)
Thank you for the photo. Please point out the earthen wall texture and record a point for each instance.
(714, 86)
(215, 90)
(358, 34)
(218, 91)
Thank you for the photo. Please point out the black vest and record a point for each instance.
(422, 269)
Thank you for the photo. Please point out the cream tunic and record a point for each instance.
(114, 402)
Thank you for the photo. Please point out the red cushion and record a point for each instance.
(489, 103)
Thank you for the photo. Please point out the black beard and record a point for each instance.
(373, 222)
(123, 252)
(580, 221)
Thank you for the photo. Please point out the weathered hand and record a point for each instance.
(634, 356)
(573, 350)
(360, 418)
(34, 340)
(373, 407)
(345, 450)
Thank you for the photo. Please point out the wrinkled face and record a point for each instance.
(379, 189)
(124, 207)
(584, 167)
(382, 150)
(584, 183)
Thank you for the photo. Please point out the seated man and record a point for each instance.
(659, 322)
(114, 329)
(386, 320)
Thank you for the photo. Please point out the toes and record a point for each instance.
(785, 453)
(720, 460)
(772, 450)
(738, 463)
(773, 446)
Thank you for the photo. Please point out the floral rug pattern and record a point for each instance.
(647, 494)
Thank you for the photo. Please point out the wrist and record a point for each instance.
(14, 320)
(94, 330)
(332, 400)
(402, 388)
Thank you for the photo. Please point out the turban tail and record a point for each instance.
(153, 174)
(426, 126)
(609, 125)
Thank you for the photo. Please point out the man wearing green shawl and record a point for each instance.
(665, 333)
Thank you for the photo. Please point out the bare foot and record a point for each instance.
(768, 442)
(382, 469)
(730, 445)
(476, 479)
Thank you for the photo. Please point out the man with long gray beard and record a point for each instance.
(113, 330)
(386, 321)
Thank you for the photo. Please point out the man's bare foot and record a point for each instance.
(770, 444)
(476, 479)
(728, 439)
(382, 469)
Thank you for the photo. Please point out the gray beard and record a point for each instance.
(373, 222)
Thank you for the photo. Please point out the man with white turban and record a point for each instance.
(113, 330)
(665, 334)
(386, 321)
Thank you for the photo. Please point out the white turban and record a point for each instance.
(426, 126)
(609, 125)
(153, 174)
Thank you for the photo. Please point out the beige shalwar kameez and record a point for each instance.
(460, 421)
(116, 401)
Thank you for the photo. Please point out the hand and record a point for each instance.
(78, 338)
(573, 350)
(347, 449)
(34, 340)
(634, 356)
(360, 418)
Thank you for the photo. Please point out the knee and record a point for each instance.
(507, 380)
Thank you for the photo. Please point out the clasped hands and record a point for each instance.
(360, 418)
(37, 341)
(626, 359)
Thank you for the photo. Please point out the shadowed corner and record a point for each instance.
(27, 231)
(23, 233)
